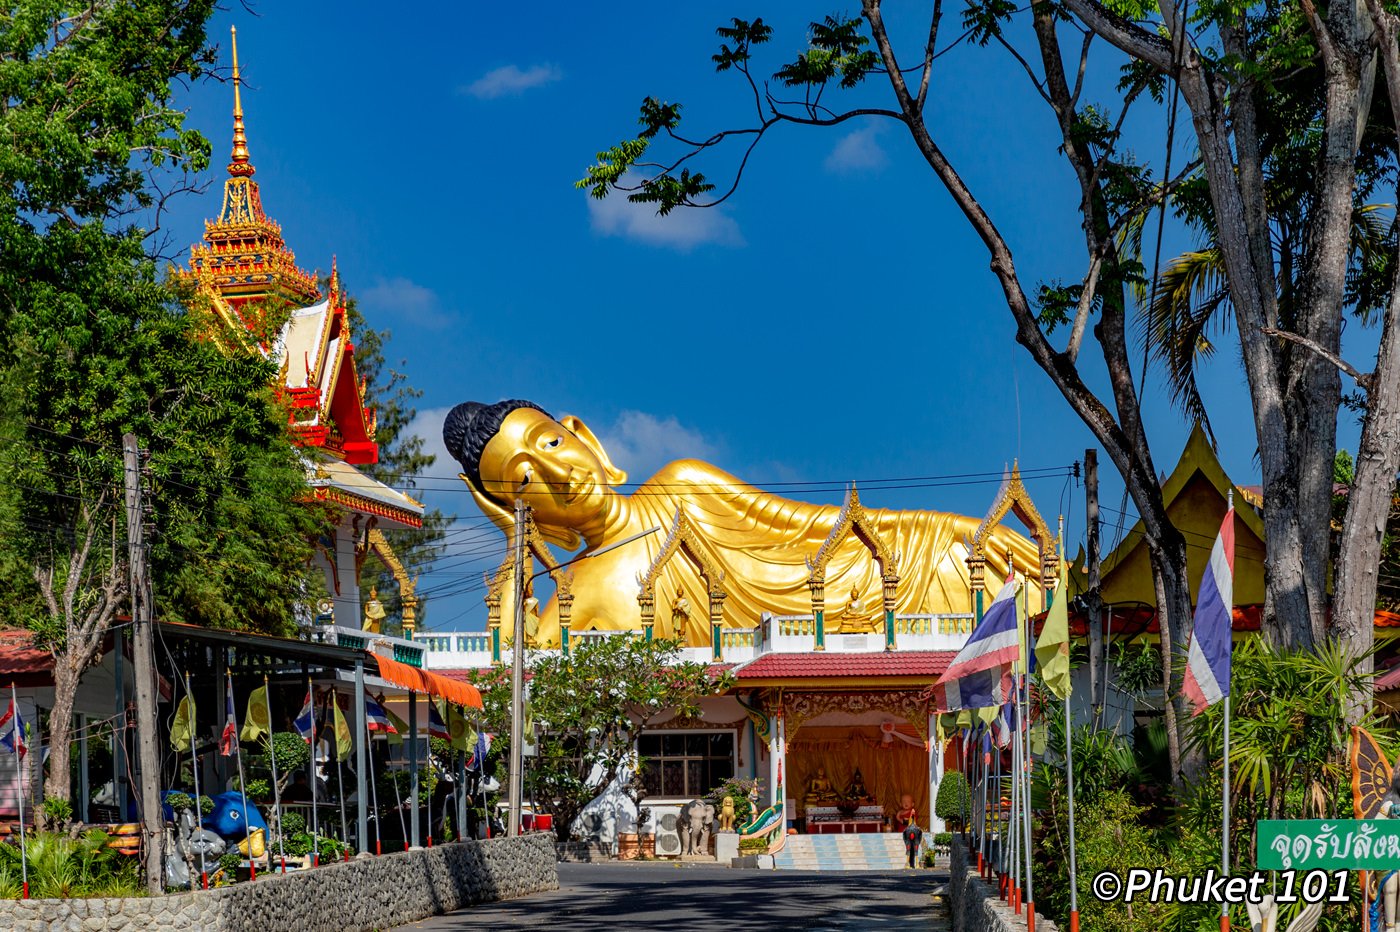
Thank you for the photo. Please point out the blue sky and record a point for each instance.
(836, 319)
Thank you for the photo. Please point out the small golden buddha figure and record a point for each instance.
(820, 792)
(855, 619)
(374, 613)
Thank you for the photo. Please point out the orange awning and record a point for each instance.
(421, 681)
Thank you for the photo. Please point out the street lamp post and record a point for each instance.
(515, 788)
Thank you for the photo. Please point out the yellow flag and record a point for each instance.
(343, 741)
(182, 730)
(988, 714)
(459, 729)
(255, 722)
(1052, 650)
(400, 727)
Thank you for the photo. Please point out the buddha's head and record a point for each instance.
(515, 450)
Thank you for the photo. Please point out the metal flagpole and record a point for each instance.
(398, 798)
(243, 790)
(1015, 808)
(1225, 814)
(315, 819)
(1225, 785)
(18, 740)
(998, 822)
(1069, 779)
(432, 784)
(198, 813)
(276, 790)
(982, 813)
(1026, 763)
(340, 781)
(373, 787)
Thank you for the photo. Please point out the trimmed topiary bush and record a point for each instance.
(953, 803)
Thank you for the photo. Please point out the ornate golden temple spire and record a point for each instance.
(240, 164)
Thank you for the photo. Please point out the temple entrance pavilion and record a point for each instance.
(830, 714)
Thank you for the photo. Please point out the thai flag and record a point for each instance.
(305, 723)
(483, 747)
(974, 691)
(376, 719)
(13, 727)
(437, 728)
(1208, 658)
(995, 642)
(1003, 729)
(228, 742)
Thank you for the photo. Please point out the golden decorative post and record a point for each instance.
(682, 539)
(853, 519)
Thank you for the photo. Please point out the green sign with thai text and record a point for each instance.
(1327, 844)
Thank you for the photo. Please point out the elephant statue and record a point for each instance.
(696, 820)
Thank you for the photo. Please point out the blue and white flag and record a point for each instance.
(13, 728)
(996, 641)
(974, 691)
(1207, 678)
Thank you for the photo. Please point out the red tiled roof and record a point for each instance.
(1141, 619)
(21, 662)
(923, 663)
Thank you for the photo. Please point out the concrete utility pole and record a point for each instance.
(1093, 598)
(517, 677)
(147, 754)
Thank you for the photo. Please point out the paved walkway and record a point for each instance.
(664, 896)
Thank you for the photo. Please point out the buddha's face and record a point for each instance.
(567, 483)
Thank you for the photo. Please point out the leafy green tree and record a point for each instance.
(588, 710)
(1274, 91)
(953, 804)
(95, 345)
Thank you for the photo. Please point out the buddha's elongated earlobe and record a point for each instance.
(504, 518)
(580, 430)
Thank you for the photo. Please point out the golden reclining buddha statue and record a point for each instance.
(761, 541)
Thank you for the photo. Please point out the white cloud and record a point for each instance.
(858, 151)
(511, 81)
(683, 229)
(642, 443)
(398, 299)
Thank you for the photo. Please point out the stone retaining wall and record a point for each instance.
(366, 893)
(975, 905)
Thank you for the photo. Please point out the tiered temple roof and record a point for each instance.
(261, 301)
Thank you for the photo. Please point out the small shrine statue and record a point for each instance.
(374, 613)
(1385, 885)
(680, 614)
(857, 789)
(820, 792)
(906, 812)
(855, 619)
(532, 619)
(727, 815)
(1376, 795)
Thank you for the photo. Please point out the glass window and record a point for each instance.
(686, 765)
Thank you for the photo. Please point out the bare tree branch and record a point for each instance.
(1362, 379)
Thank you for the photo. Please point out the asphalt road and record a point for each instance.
(639, 896)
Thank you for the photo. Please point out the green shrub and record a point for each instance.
(206, 805)
(293, 822)
(943, 839)
(737, 788)
(61, 867)
(753, 845)
(60, 811)
(259, 789)
(954, 801)
(178, 802)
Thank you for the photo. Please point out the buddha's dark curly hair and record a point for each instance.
(470, 426)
